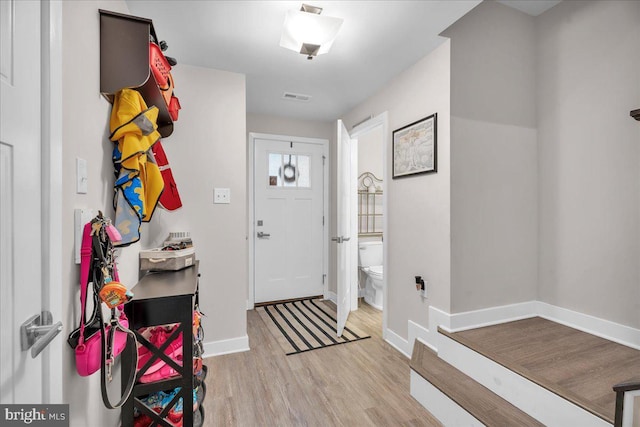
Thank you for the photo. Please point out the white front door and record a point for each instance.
(289, 219)
(21, 376)
(344, 242)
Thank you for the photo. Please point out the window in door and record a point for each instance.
(289, 170)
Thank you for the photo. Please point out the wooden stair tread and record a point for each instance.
(575, 365)
(479, 401)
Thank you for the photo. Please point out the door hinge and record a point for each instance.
(324, 158)
(324, 276)
(323, 220)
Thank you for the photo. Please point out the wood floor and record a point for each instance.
(578, 366)
(364, 383)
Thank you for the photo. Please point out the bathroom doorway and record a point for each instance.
(370, 213)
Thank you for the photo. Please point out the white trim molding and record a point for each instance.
(331, 296)
(251, 144)
(542, 404)
(448, 412)
(420, 333)
(228, 346)
(602, 328)
(399, 343)
(457, 322)
(491, 316)
(533, 399)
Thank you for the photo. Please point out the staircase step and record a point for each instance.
(489, 408)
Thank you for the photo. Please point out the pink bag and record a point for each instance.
(88, 350)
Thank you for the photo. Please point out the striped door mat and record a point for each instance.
(306, 324)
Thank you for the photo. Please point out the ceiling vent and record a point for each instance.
(296, 96)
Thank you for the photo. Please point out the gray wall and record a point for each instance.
(209, 139)
(493, 158)
(370, 152)
(418, 235)
(263, 123)
(85, 130)
(588, 80)
(207, 149)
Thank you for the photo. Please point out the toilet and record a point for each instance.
(370, 263)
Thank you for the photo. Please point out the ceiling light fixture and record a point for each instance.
(308, 32)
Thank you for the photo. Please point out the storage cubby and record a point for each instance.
(124, 62)
(163, 298)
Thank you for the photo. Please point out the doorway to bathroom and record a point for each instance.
(369, 219)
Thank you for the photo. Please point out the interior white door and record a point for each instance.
(344, 263)
(289, 223)
(21, 376)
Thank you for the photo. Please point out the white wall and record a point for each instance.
(85, 130)
(264, 123)
(418, 235)
(206, 149)
(370, 146)
(588, 80)
(370, 152)
(493, 158)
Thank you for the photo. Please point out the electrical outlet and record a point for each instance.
(221, 195)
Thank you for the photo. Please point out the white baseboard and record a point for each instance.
(491, 316)
(399, 343)
(420, 333)
(332, 296)
(232, 345)
(495, 315)
(448, 412)
(600, 327)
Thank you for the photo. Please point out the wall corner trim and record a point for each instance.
(332, 296)
(399, 343)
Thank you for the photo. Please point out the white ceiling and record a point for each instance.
(378, 40)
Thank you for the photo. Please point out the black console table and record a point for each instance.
(162, 298)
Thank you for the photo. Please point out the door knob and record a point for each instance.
(340, 239)
(37, 332)
(262, 235)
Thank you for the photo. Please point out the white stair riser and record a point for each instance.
(448, 412)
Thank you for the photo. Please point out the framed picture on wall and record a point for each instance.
(415, 148)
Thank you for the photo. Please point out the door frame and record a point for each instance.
(251, 226)
(381, 120)
(51, 202)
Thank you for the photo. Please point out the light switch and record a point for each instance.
(81, 176)
(221, 195)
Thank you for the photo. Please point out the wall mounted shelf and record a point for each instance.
(635, 114)
(124, 62)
